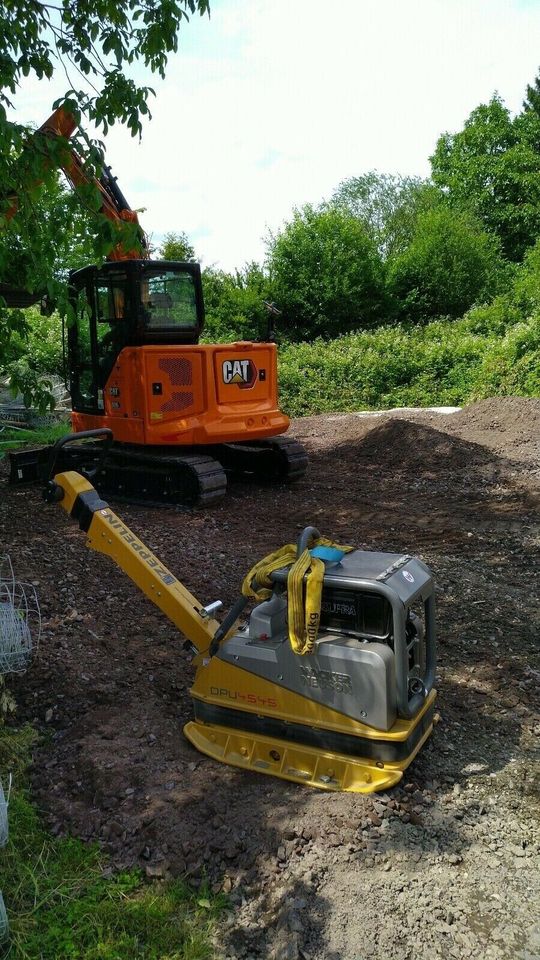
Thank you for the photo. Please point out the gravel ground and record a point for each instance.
(444, 865)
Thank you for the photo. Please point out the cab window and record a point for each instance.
(169, 301)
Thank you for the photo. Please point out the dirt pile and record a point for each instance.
(510, 416)
(412, 447)
(509, 426)
(446, 864)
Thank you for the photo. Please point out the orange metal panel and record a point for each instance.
(245, 372)
(124, 431)
(121, 394)
(207, 395)
(174, 384)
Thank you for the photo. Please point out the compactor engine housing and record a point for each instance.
(364, 696)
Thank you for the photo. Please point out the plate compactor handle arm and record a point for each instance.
(106, 533)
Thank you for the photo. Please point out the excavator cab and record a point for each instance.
(184, 415)
(132, 303)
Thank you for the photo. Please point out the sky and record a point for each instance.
(270, 104)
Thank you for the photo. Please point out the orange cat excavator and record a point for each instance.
(183, 415)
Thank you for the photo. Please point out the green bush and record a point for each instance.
(525, 293)
(326, 274)
(442, 363)
(450, 264)
(234, 304)
(40, 344)
(512, 366)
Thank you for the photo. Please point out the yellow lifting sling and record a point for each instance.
(304, 606)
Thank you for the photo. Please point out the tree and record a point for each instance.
(176, 246)
(98, 46)
(97, 42)
(64, 237)
(450, 264)
(235, 303)
(532, 100)
(492, 168)
(388, 205)
(326, 274)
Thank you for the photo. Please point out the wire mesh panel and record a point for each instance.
(4, 804)
(7, 577)
(4, 924)
(20, 620)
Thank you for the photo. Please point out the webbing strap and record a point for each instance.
(304, 607)
(304, 610)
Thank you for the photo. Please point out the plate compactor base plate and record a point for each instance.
(309, 766)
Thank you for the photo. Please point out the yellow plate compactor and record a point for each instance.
(329, 682)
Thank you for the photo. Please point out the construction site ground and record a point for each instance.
(446, 864)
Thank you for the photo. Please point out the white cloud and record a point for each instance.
(272, 103)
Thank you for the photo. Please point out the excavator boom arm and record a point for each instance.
(61, 125)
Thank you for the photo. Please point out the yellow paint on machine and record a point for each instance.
(226, 685)
(110, 535)
(308, 766)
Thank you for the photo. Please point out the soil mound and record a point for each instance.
(403, 444)
(509, 426)
(507, 414)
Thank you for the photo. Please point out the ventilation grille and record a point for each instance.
(178, 401)
(179, 371)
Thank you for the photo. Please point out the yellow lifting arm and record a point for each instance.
(107, 534)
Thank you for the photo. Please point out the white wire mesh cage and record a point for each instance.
(4, 923)
(20, 620)
(7, 577)
(4, 804)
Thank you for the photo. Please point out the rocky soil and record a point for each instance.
(445, 865)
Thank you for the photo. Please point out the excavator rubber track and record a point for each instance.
(190, 480)
(133, 475)
(160, 476)
(278, 459)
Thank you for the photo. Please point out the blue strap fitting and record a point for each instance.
(328, 554)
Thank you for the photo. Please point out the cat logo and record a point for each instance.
(241, 372)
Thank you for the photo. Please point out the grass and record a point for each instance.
(15, 439)
(62, 903)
